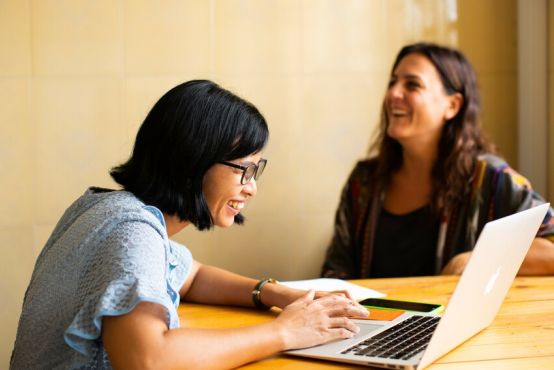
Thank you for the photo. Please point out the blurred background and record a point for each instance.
(78, 77)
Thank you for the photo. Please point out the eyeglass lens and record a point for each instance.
(253, 171)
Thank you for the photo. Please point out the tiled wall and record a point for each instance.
(488, 36)
(77, 78)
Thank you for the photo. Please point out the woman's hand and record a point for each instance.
(308, 321)
(457, 264)
(280, 295)
(320, 294)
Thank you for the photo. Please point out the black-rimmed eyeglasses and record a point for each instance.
(248, 172)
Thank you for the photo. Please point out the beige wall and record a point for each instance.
(77, 78)
(488, 36)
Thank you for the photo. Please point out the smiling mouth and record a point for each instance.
(236, 205)
(398, 113)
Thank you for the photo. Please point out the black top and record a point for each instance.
(405, 245)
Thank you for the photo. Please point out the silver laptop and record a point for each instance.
(415, 340)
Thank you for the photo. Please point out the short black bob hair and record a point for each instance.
(192, 127)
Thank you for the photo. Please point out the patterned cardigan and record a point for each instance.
(497, 191)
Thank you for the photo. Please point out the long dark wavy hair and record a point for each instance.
(461, 140)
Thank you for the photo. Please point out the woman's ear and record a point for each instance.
(455, 103)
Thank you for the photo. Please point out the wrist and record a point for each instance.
(260, 287)
(280, 295)
(280, 335)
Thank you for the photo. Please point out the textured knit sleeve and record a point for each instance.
(182, 262)
(132, 264)
(512, 193)
(339, 259)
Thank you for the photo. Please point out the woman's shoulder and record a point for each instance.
(360, 184)
(119, 204)
(496, 167)
(493, 161)
(101, 212)
(364, 169)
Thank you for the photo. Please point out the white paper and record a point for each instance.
(325, 284)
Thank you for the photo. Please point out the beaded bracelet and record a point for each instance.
(258, 290)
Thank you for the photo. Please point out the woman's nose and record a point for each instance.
(394, 92)
(251, 187)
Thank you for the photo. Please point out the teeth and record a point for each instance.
(396, 112)
(236, 205)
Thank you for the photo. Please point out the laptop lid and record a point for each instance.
(494, 263)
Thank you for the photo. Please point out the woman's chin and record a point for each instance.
(225, 221)
(397, 133)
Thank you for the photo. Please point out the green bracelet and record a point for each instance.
(257, 292)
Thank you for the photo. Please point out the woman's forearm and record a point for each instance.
(540, 258)
(217, 286)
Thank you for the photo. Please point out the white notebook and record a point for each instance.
(327, 285)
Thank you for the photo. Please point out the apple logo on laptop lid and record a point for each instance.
(492, 281)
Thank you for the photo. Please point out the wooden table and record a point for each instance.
(521, 336)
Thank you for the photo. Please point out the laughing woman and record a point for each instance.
(105, 289)
(418, 206)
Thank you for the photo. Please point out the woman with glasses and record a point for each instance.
(417, 206)
(105, 289)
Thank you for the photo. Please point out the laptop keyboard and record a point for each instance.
(400, 341)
